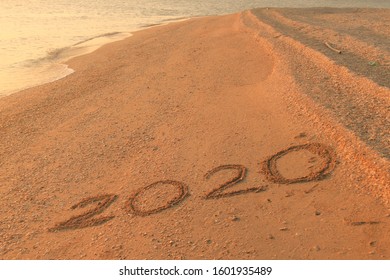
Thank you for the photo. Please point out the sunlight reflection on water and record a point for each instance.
(37, 35)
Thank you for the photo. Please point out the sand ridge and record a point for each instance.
(120, 159)
(350, 107)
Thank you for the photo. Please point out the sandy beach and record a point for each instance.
(257, 135)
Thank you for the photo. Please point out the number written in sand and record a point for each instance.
(163, 195)
(269, 166)
(86, 219)
(133, 204)
(220, 191)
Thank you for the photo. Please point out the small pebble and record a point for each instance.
(283, 229)
(235, 219)
(301, 135)
(288, 194)
(318, 213)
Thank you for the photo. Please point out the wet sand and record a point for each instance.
(233, 137)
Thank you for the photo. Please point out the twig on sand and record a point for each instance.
(364, 223)
(311, 189)
(333, 49)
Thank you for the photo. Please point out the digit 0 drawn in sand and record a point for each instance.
(272, 173)
(85, 220)
(241, 173)
(133, 204)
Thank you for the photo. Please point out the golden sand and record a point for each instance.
(204, 139)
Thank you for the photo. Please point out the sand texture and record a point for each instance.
(233, 137)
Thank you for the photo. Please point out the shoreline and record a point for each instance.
(203, 139)
(57, 59)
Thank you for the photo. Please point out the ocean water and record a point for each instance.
(38, 36)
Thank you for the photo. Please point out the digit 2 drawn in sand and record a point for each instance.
(85, 220)
(270, 170)
(219, 192)
(133, 203)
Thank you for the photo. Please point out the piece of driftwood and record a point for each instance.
(333, 49)
(364, 223)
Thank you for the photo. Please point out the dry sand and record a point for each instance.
(232, 137)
